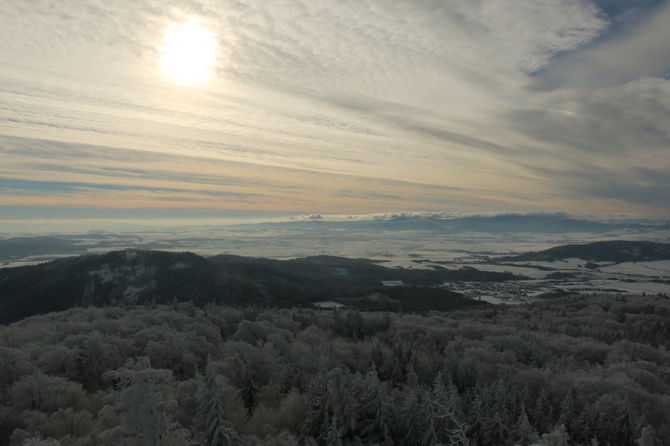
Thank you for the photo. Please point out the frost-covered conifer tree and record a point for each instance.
(648, 437)
(449, 418)
(411, 416)
(333, 438)
(559, 437)
(526, 435)
(354, 325)
(439, 395)
(376, 427)
(393, 371)
(342, 403)
(497, 430)
(476, 430)
(626, 426)
(567, 415)
(377, 355)
(317, 421)
(249, 390)
(146, 402)
(543, 413)
(218, 431)
(429, 435)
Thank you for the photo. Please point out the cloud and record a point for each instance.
(409, 214)
(350, 106)
(86, 175)
(622, 129)
(639, 50)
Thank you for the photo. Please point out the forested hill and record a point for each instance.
(576, 371)
(615, 251)
(135, 277)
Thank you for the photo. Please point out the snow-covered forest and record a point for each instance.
(583, 370)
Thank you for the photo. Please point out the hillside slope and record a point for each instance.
(136, 277)
(616, 251)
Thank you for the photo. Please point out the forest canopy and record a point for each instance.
(579, 370)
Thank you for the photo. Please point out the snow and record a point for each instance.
(328, 304)
(105, 274)
(131, 293)
(659, 268)
(392, 283)
(179, 265)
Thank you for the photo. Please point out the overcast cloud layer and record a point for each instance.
(338, 107)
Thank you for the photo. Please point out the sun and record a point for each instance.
(188, 53)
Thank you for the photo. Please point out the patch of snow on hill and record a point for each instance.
(179, 265)
(107, 274)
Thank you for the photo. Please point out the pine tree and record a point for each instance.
(410, 353)
(503, 403)
(450, 367)
(525, 433)
(354, 325)
(440, 397)
(249, 390)
(317, 421)
(497, 431)
(395, 367)
(449, 417)
(146, 402)
(627, 436)
(376, 427)
(567, 415)
(218, 431)
(543, 413)
(525, 397)
(377, 355)
(333, 438)
(585, 426)
(456, 406)
(429, 435)
(340, 329)
(411, 414)
(476, 430)
(458, 436)
(342, 403)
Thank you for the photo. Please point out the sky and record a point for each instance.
(207, 110)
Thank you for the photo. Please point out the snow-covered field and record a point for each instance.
(659, 268)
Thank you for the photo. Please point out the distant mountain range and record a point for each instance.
(45, 248)
(615, 251)
(139, 277)
(503, 223)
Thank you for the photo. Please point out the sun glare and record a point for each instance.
(188, 53)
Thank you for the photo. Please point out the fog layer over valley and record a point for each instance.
(506, 258)
(396, 238)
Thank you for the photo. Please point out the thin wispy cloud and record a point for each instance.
(637, 51)
(340, 107)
